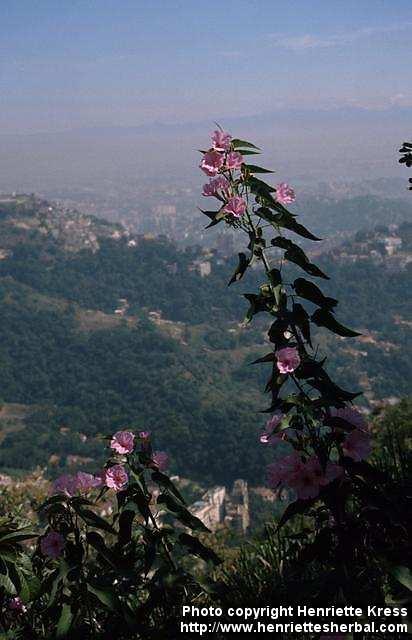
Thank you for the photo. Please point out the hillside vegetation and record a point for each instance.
(85, 370)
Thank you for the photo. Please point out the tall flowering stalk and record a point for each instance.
(313, 419)
(323, 467)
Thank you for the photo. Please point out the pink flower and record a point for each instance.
(212, 161)
(145, 439)
(307, 478)
(218, 186)
(287, 359)
(52, 544)
(160, 460)
(272, 438)
(16, 604)
(305, 483)
(284, 193)
(86, 481)
(269, 436)
(351, 415)
(123, 442)
(274, 422)
(236, 207)
(284, 469)
(221, 140)
(234, 160)
(115, 477)
(357, 445)
(65, 484)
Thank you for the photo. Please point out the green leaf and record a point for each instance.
(295, 254)
(97, 542)
(295, 508)
(310, 291)
(59, 576)
(248, 152)
(253, 168)
(240, 269)
(237, 144)
(105, 595)
(268, 215)
(338, 423)
(181, 513)
(269, 357)
(323, 318)
(18, 536)
(332, 391)
(198, 549)
(162, 480)
(93, 520)
(29, 587)
(257, 304)
(291, 224)
(300, 317)
(260, 188)
(402, 575)
(275, 277)
(215, 217)
(65, 621)
(7, 584)
(53, 500)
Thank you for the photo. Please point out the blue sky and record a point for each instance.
(79, 63)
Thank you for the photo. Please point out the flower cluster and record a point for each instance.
(304, 476)
(114, 477)
(226, 168)
(82, 482)
(301, 469)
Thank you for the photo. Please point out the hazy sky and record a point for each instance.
(79, 63)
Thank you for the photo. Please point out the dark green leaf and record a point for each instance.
(402, 575)
(323, 318)
(259, 187)
(270, 357)
(332, 391)
(253, 168)
(275, 277)
(300, 318)
(240, 269)
(295, 508)
(257, 304)
(65, 621)
(106, 595)
(98, 543)
(310, 291)
(215, 217)
(237, 144)
(295, 254)
(93, 520)
(291, 224)
(59, 577)
(7, 584)
(17, 536)
(181, 512)
(162, 480)
(199, 549)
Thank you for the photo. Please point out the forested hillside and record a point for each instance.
(85, 370)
